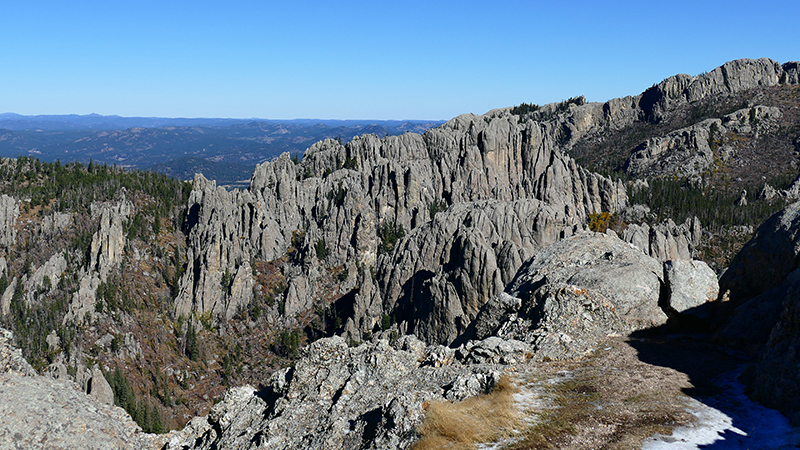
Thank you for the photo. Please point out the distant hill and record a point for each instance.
(228, 174)
(222, 147)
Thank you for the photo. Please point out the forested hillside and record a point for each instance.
(163, 369)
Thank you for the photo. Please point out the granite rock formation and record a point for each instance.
(496, 170)
(763, 283)
(733, 76)
(105, 253)
(9, 212)
(368, 397)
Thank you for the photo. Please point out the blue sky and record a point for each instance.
(363, 60)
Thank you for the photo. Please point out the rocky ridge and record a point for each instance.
(492, 164)
(338, 206)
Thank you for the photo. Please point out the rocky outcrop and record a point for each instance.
(335, 397)
(5, 301)
(94, 384)
(666, 241)
(574, 292)
(105, 254)
(45, 278)
(56, 223)
(9, 212)
(692, 151)
(108, 242)
(220, 246)
(792, 193)
(39, 412)
(683, 153)
(588, 286)
(435, 283)
(731, 77)
(344, 198)
(337, 207)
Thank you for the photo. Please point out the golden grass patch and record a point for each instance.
(463, 424)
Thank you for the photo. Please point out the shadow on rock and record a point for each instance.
(726, 417)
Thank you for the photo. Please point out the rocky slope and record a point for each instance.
(574, 294)
(762, 285)
(38, 412)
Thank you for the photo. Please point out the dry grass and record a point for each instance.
(477, 419)
(573, 400)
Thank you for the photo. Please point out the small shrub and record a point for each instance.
(390, 233)
(386, 322)
(599, 222)
(350, 163)
(436, 206)
(322, 249)
(287, 344)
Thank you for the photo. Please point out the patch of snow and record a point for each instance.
(729, 421)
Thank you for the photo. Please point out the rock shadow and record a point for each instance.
(714, 373)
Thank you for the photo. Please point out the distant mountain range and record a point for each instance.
(226, 150)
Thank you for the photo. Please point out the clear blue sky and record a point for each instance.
(364, 60)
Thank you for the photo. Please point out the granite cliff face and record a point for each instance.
(504, 186)
(762, 284)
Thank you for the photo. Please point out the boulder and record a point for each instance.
(573, 293)
(691, 285)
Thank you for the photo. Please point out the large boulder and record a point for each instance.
(692, 285)
(574, 292)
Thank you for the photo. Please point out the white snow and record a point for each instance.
(729, 421)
